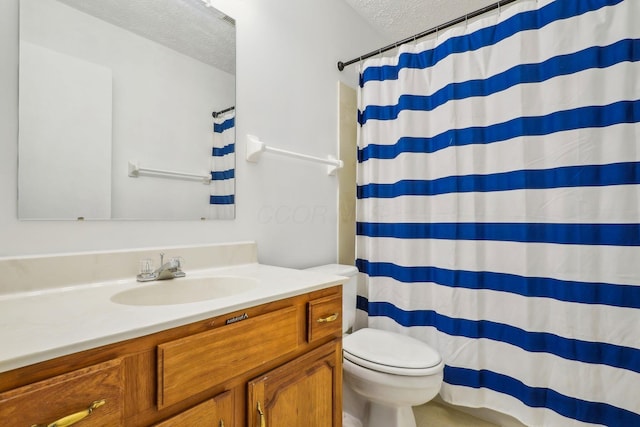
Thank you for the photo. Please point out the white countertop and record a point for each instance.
(41, 325)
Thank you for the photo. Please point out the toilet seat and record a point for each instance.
(391, 353)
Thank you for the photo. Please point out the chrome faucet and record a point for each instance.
(169, 270)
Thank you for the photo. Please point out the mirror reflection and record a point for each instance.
(126, 110)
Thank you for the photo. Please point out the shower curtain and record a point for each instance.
(222, 195)
(499, 206)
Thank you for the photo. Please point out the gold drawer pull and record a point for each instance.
(328, 319)
(73, 418)
(262, 421)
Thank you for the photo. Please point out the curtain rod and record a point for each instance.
(217, 113)
(415, 37)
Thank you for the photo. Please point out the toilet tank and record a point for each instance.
(349, 290)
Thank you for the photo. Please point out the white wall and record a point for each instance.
(286, 94)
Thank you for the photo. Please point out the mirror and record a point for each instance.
(116, 106)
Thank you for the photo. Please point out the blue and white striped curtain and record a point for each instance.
(499, 208)
(223, 161)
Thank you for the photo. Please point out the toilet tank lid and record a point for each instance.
(337, 269)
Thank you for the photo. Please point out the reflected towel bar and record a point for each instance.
(135, 171)
(255, 148)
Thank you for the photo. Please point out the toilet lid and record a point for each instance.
(390, 352)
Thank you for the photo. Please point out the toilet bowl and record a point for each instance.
(385, 373)
(392, 372)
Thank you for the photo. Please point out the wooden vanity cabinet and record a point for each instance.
(285, 355)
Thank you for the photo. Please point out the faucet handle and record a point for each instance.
(145, 266)
(176, 262)
(176, 266)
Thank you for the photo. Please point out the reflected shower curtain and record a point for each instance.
(223, 160)
(499, 208)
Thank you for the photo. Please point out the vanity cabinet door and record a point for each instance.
(306, 392)
(93, 396)
(216, 412)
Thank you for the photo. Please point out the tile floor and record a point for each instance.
(435, 414)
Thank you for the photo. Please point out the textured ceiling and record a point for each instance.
(399, 19)
(186, 26)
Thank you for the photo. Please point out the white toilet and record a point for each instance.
(385, 373)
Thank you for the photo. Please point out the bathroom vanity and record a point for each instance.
(268, 356)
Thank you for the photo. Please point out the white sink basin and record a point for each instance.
(185, 290)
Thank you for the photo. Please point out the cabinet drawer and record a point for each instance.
(324, 317)
(193, 364)
(50, 400)
(216, 412)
